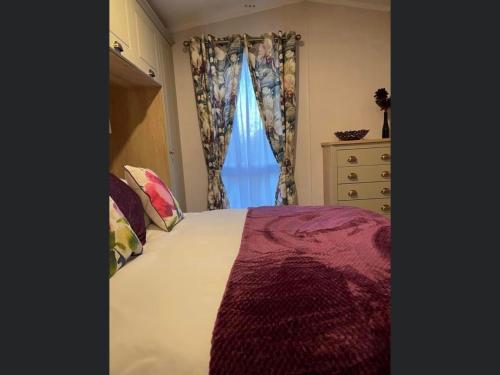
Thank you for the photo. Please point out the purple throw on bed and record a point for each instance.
(309, 293)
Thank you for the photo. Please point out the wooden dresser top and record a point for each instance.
(361, 141)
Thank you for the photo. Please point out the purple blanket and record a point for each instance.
(309, 293)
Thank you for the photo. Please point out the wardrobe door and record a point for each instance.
(172, 122)
(147, 41)
(120, 28)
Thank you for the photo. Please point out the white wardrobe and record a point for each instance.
(141, 59)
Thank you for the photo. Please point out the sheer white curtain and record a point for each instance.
(250, 172)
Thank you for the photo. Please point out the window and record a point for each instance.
(250, 172)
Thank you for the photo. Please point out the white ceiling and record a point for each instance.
(180, 15)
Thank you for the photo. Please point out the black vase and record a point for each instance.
(385, 128)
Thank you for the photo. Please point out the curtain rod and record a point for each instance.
(226, 40)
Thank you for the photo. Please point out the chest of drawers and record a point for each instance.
(358, 173)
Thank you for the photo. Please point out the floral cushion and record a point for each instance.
(157, 199)
(129, 204)
(123, 242)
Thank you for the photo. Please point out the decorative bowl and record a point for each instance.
(352, 135)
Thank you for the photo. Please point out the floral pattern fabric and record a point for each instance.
(272, 66)
(216, 70)
(123, 242)
(157, 199)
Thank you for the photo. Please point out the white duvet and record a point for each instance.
(163, 304)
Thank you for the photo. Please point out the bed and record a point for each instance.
(164, 304)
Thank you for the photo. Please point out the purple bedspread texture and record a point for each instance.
(309, 293)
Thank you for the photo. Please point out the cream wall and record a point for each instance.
(344, 56)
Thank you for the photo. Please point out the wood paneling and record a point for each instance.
(138, 132)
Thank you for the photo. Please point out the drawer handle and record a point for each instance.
(385, 191)
(352, 159)
(117, 46)
(385, 174)
(385, 157)
(352, 193)
(385, 207)
(352, 176)
(151, 73)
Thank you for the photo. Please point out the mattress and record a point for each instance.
(164, 303)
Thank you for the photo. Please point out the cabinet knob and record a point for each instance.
(117, 46)
(352, 176)
(352, 159)
(385, 207)
(151, 73)
(352, 193)
(385, 191)
(385, 157)
(385, 174)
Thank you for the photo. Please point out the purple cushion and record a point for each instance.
(130, 204)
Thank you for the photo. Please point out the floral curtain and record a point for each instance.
(272, 66)
(216, 70)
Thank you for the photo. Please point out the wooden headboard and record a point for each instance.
(137, 118)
